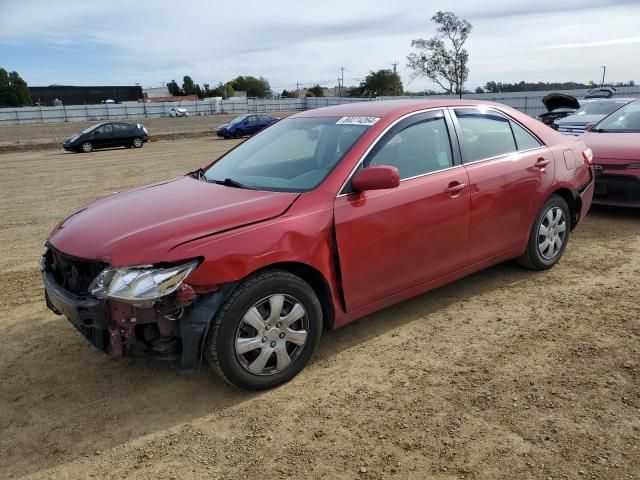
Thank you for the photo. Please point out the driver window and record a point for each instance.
(104, 129)
(420, 148)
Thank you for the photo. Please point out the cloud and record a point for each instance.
(291, 41)
(597, 43)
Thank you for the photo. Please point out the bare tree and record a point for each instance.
(442, 58)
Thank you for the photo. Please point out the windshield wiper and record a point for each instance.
(230, 182)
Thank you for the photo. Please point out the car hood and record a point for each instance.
(560, 100)
(142, 226)
(579, 119)
(613, 146)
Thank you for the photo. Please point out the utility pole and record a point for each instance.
(395, 72)
(604, 70)
(341, 82)
(297, 90)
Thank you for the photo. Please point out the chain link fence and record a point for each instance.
(527, 102)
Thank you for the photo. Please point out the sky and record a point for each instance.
(124, 42)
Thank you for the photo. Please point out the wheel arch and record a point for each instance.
(573, 203)
(316, 281)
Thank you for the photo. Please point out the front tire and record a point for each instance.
(87, 147)
(549, 235)
(266, 331)
(239, 134)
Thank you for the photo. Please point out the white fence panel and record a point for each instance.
(527, 102)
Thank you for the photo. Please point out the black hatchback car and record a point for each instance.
(105, 135)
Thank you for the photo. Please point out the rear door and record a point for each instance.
(121, 134)
(392, 240)
(510, 172)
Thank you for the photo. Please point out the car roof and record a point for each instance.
(608, 100)
(391, 108)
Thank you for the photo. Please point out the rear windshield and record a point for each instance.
(598, 108)
(293, 155)
(627, 119)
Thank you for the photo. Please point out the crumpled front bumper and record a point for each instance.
(118, 329)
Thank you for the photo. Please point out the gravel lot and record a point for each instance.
(51, 135)
(505, 374)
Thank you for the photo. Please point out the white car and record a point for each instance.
(178, 112)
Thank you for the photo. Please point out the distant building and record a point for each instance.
(74, 95)
(328, 92)
(156, 92)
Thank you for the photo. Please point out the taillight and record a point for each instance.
(587, 154)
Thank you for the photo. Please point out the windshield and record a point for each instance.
(598, 108)
(88, 129)
(237, 120)
(294, 155)
(627, 119)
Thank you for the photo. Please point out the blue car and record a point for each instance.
(245, 125)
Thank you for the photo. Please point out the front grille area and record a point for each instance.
(617, 188)
(571, 130)
(73, 274)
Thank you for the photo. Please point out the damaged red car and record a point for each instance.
(320, 219)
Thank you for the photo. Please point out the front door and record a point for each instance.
(103, 136)
(392, 240)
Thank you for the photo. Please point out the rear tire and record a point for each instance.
(266, 331)
(137, 142)
(549, 235)
(87, 147)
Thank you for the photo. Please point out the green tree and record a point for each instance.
(255, 87)
(354, 92)
(288, 94)
(442, 58)
(316, 90)
(188, 87)
(222, 90)
(382, 82)
(173, 88)
(20, 89)
(13, 90)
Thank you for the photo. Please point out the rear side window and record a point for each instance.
(484, 135)
(524, 140)
(419, 148)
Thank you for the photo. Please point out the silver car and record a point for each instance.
(590, 112)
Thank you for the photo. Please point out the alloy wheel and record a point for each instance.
(137, 142)
(87, 147)
(552, 233)
(271, 335)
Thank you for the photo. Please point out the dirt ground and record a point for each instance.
(507, 374)
(51, 135)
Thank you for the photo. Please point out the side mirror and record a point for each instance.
(376, 178)
(96, 132)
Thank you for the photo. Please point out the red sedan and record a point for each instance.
(320, 219)
(615, 142)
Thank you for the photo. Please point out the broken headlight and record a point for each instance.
(141, 284)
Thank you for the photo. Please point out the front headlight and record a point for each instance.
(140, 284)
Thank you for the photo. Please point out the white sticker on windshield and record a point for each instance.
(367, 121)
